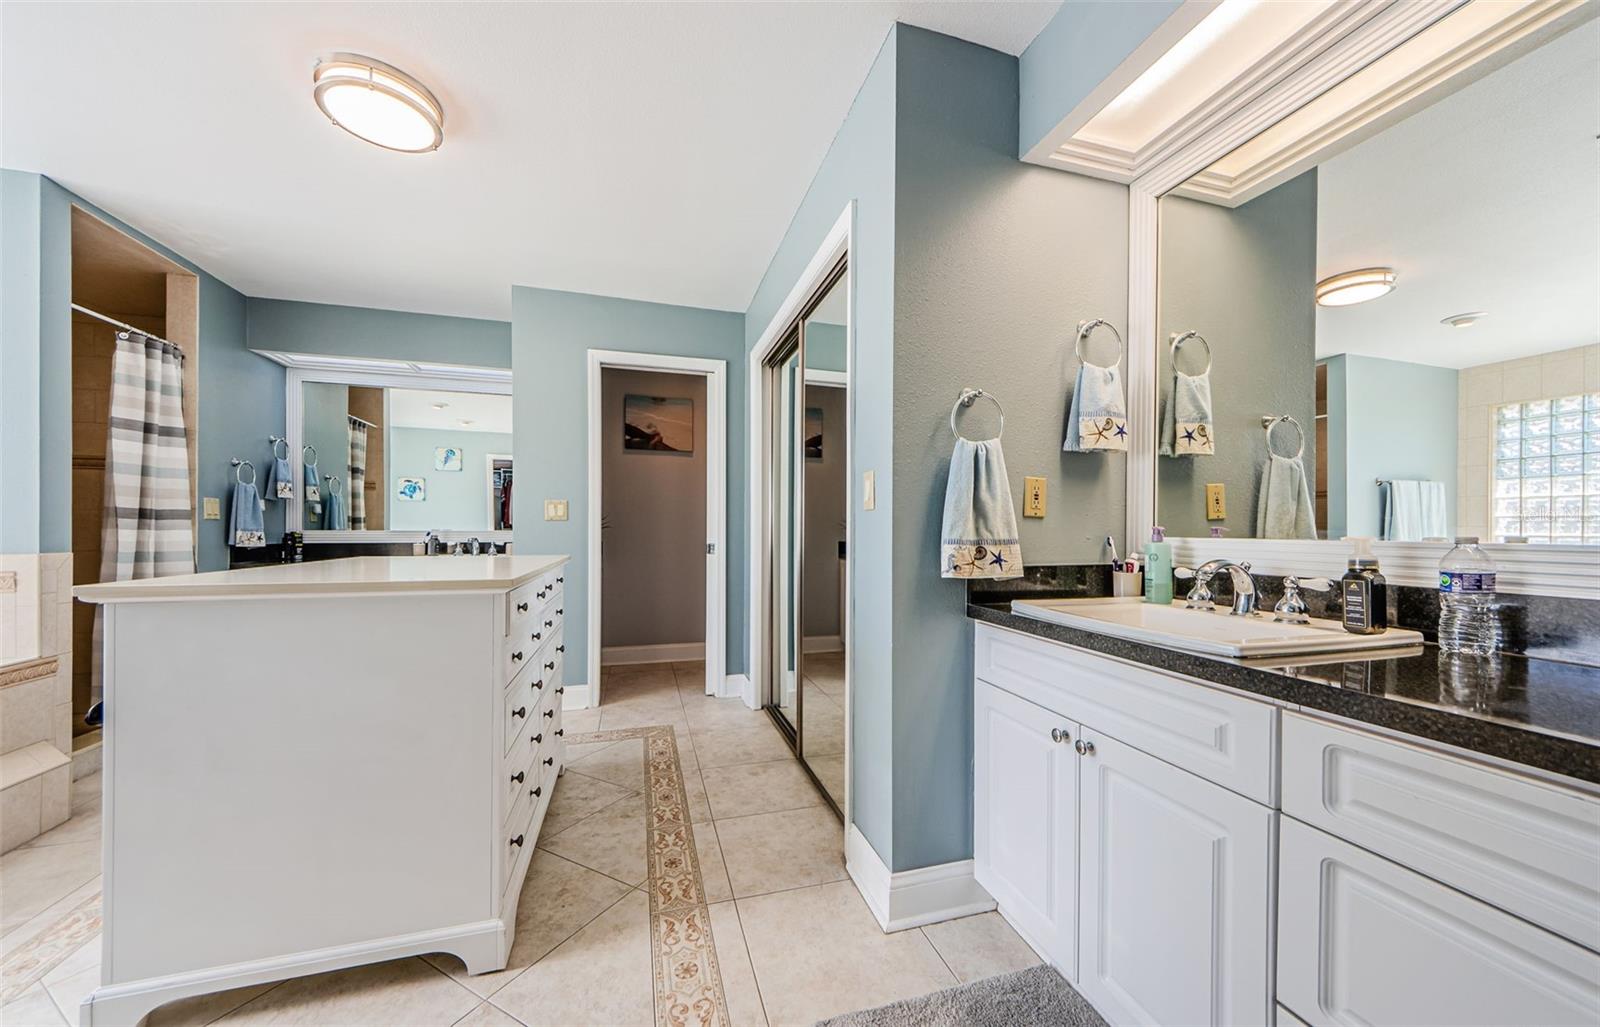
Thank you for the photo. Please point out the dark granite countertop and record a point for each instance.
(1540, 713)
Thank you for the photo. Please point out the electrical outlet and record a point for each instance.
(555, 509)
(869, 490)
(210, 508)
(1216, 502)
(1033, 497)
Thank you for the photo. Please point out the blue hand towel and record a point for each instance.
(280, 481)
(979, 536)
(1283, 509)
(313, 490)
(1186, 428)
(333, 510)
(246, 527)
(1099, 415)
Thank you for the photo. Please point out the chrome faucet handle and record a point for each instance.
(1291, 609)
(1199, 597)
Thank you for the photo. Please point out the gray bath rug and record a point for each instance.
(1035, 997)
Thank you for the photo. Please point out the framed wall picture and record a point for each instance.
(658, 424)
(411, 490)
(447, 458)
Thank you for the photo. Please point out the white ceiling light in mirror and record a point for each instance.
(378, 102)
(1351, 287)
(1466, 320)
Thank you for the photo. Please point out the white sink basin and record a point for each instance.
(1214, 632)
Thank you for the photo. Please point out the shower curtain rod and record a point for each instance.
(124, 325)
(360, 420)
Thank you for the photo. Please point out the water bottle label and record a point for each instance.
(1466, 582)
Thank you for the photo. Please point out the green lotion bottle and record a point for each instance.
(1158, 567)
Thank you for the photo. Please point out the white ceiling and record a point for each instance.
(1488, 200)
(413, 408)
(647, 150)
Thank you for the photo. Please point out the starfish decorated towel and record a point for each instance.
(1098, 419)
(979, 534)
(1186, 428)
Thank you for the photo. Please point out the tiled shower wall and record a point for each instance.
(35, 694)
(1547, 376)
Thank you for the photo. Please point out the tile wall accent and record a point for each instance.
(1547, 376)
(35, 694)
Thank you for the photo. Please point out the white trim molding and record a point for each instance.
(911, 898)
(739, 686)
(1239, 113)
(576, 697)
(715, 373)
(668, 652)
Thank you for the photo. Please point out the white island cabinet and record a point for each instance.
(320, 765)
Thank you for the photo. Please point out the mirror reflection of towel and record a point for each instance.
(1186, 428)
(1413, 511)
(1283, 509)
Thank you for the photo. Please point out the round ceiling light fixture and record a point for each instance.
(1466, 320)
(378, 102)
(1349, 287)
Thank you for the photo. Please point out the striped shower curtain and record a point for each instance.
(147, 523)
(358, 475)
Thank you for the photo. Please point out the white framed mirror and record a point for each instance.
(1435, 163)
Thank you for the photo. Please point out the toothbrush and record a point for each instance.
(1112, 544)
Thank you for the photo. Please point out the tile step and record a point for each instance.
(29, 762)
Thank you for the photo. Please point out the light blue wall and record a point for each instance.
(1073, 54)
(37, 247)
(1399, 422)
(295, 327)
(859, 166)
(456, 499)
(552, 333)
(1337, 459)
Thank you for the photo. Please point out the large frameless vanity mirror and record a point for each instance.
(1375, 315)
(381, 456)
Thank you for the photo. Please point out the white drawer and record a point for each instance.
(536, 636)
(1219, 736)
(521, 706)
(516, 841)
(1288, 1019)
(517, 775)
(1531, 848)
(1364, 941)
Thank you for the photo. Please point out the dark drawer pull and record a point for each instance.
(522, 607)
(520, 711)
(518, 777)
(549, 623)
(560, 581)
(543, 592)
(563, 688)
(537, 791)
(550, 666)
(539, 685)
(549, 713)
(516, 656)
(561, 648)
(549, 761)
(517, 841)
(560, 612)
(537, 738)
(561, 732)
(537, 635)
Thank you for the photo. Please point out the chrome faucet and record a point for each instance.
(1244, 587)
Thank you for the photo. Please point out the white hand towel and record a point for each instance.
(979, 536)
(1413, 511)
(1283, 509)
(1098, 419)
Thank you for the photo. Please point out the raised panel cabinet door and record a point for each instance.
(1365, 941)
(1174, 893)
(1025, 819)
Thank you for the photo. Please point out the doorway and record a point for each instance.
(656, 518)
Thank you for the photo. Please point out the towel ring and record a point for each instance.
(279, 440)
(313, 449)
(1085, 328)
(238, 471)
(1179, 340)
(332, 481)
(1270, 422)
(969, 397)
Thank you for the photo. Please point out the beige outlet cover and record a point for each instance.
(211, 508)
(555, 509)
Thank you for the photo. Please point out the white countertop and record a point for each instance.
(358, 575)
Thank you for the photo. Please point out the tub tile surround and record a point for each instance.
(791, 945)
(35, 694)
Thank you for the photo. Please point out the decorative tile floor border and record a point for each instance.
(45, 951)
(688, 980)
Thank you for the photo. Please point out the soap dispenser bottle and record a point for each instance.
(1365, 592)
(1158, 567)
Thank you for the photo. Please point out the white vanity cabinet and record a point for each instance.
(1127, 823)
(321, 765)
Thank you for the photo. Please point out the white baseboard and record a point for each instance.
(911, 898)
(736, 686)
(576, 697)
(671, 652)
(822, 644)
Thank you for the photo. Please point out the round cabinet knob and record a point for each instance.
(522, 607)
(550, 666)
(517, 841)
(561, 648)
(549, 713)
(520, 711)
(539, 685)
(543, 592)
(560, 612)
(536, 792)
(1084, 748)
(518, 777)
(537, 635)
(549, 623)
(563, 688)
(549, 761)
(1058, 735)
(561, 581)
(537, 738)
(516, 656)
(561, 732)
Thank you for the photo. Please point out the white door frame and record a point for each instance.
(715, 373)
(835, 245)
(489, 459)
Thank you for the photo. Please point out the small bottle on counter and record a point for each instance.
(1365, 592)
(294, 547)
(1158, 567)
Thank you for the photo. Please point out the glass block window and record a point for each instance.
(1547, 470)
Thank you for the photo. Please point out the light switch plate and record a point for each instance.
(869, 490)
(555, 509)
(1033, 497)
(211, 508)
(1216, 502)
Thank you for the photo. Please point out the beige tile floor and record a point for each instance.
(794, 939)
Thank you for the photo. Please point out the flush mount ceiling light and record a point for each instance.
(378, 102)
(1349, 287)
(1466, 320)
(440, 406)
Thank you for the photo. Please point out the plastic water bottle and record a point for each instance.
(1466, 600)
